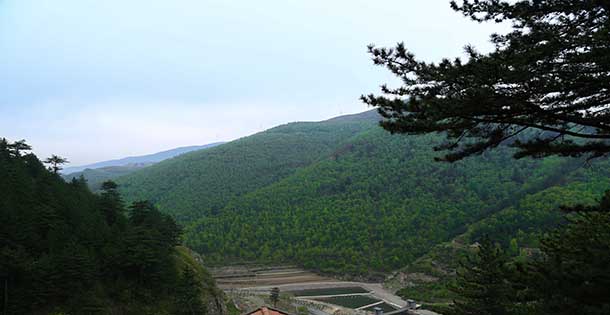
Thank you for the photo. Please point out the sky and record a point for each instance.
(92, 80)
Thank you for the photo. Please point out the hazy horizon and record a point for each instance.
(94, 81)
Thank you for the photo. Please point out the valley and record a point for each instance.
(463, 170)
(345, 197)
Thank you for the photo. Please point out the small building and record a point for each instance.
(265, 310)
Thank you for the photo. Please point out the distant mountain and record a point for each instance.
(345, 196)
(95, 177)
(140, 160)
(97, 173)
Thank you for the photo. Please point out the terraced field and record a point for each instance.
(254, 276)
(249, 286)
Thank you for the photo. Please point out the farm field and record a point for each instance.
(352, 301)
(238, 277)
(249, 287)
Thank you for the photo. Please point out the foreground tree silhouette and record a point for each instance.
(18, 146)
(110, 202)
(56, 162)
(481, 285)
(59, 252)
(574, 275)
(545, 89)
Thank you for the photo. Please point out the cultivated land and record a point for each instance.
(240, 277)
(250, 285)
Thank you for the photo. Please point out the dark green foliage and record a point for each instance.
(377, 204)
(568, 275)
(112, 204)
(525, 224)
(55, 163)
(274, 296)
(63, 248)
(188, 295)
(363, 202)
(200, 183)
(573, 277)
(549, 75)
(481, 284)
(16, 147)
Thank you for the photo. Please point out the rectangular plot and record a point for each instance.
(384, 306)
(329, 291)
(354, 301)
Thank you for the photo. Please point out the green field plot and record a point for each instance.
(354, 301)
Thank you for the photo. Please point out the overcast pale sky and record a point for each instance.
(92, 80)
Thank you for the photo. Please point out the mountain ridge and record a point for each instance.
(237, 167)
(138, 159)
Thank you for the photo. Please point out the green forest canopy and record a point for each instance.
(345, 196)
(65, 249)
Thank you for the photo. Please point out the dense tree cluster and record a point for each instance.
(344, 196)
(569, 276)
(63, 248)
(201, 183)
(379, 202)
(480, 284)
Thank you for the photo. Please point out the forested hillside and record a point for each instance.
(66, 250)
(345, 196)
(97, 173)
(202, 182)
(518, 229)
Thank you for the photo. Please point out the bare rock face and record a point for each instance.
(217, 306)
(402, 279)
(214, 298)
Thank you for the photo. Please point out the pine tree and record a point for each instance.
(274, 296)
(544, 89)
(56, 162)
(574, 275)
(18, 146)
(481, 285)
(188, 294)
(111, 202)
